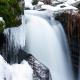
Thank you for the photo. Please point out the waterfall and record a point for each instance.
(42, 36)
(47, 42)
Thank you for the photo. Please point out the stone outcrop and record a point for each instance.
(71, 25)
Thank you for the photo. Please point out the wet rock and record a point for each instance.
(71, 25)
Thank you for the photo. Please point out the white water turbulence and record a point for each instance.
(48, 44)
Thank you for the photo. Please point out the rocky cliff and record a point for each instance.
(71, 25)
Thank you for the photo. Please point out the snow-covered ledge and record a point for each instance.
(70, 2)
(22, 71)
(60, 8)
(1, 19)
(73, 2)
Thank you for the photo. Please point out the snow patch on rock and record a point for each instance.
(22, 71)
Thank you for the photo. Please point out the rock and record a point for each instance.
(2, 40)
(71, 25)
(40, 71)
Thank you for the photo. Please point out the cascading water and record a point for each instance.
(41, 35)
(47, 43)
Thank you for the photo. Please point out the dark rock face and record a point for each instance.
(71, 25)
(78, 6)
(40, 71)
(2, 40)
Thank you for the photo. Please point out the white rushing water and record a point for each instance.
(47, 42)
(44, 37)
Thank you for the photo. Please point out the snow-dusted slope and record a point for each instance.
(28, 4)
(69, 1)
(60, 7)
(73, 2)
(21, 71)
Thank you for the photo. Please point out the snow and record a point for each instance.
(2, 63)
(65, 5)
(68, 1)
(71, 2)
(1, 19)
(60, 0)
(28, 1)
(60, 7)
(22, 71)
(40, 3)
(28, 4)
